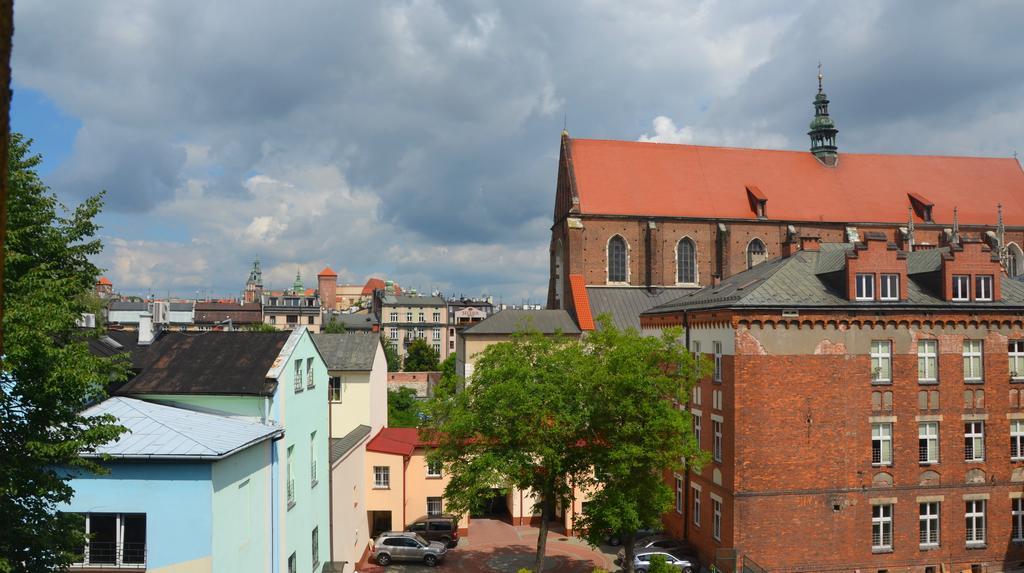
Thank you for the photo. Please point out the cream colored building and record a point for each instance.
(404, 318)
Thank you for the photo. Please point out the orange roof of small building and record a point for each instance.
(581, 301)
(104, 281)
(399, 441)
(671, 180)
(376, 283)
(327, 272)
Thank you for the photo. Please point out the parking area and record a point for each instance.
(494, 546)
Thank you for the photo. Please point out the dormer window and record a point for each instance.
(961, 287)
(889, 287)
(983, 287)
(865, 286)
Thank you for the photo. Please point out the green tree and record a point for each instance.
(449, 381)
(636, 385)
(261, 327)
(48, 373)
(391, 353)
(403, 408)
(334, 327)
(660, 565)
(517, 424)
(421, 357)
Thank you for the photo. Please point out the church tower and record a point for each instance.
(254, 286)
(823, 129)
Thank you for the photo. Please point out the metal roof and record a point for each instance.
(511, 321)
(625, 304)
(348, 350)
(342, 446)
(351, 320)
(412, 300)
(157, 431)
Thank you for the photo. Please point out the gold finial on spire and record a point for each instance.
(820, 76)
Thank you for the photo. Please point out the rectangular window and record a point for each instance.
(696, 355)
(881, 444)
(973, 361)
(309, 373)
(421, 317)
(927, 361)
(393, 333)
(298, 376)
(961, 287)
(394, 317)
(929, 524)
(290, 471)
(679, 494)
(1016, 352)
(433, 469)
(696, 427)
(974, 441)
(716, 519)
(115, 540)
(716, 449)
(408, 316)
(334, 389)
(437, 333)
(983, 287)
(292, 319)
(696, 506)
(312, 460)
(437, 316)
(881, 527)
(696, 395)
(974, 517)
(928, 442)
(434, 506)
(1017, 440)
(293, 564)
(889, 289)
(316, 547)
(718, 360)
(881, 361)
(437, 347)
(381, 477)
(1017, 515)
(865, 286)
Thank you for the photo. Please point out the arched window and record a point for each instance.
(617, 260)
(756, 253)
(686, 262)
(1014, 260)
(559, 284)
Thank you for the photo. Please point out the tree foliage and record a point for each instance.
(403, 408)
(449, 381)
(421, 357)
(334, 327)
(391, 353)
(48, 374)
(660, 565)
(261, 327)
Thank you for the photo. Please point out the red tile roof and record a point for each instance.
(581, 302)
(327, 272)
(657, 179)
(104, 281)
(398, 441)
(375, 283)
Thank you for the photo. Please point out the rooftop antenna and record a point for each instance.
(956, 226)
(820, 77)
(910, 228)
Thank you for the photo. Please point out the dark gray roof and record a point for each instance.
(142, 306)
(344, 445)
(512, 321)
(801, 281)
(412, 300)
(348, 350)
(625, 304)
(351, 320)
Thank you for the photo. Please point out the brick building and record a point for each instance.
(864, 414)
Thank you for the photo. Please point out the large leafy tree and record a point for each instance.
(636, 385)
(391, 354)
(403, 408)
(421, 357)
(48, 374)
(518, 423)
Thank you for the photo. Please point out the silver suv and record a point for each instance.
(407, 546)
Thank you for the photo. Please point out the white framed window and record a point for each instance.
(298, 376)
(696, 427)
(974, 441)
(865, 286)
(961, 287)
(381, 477)
(1017, 515)
(437, 347)
(1017, 440)
(889, 287)
(718, 360)
(928, 515)
(973, 352)
(290, 472)
(696, 395)
(433, 469)
(312, 460)
(422, 317)
(696, 355)
(393, 333)
(679, 494)
(316, 547)
(983, 287)
(974, 517)
(309, 373)
(881, 527)
(686, 262)
(393, 316)
(696, 505)
(437, 333)
(115, 540)
(434, 506)
(436, 316)
(408, 316)
(716, 446)
(881, 361)
(757, 253)
(334, 389)
(1016, 353)
(881, 443)
(928, 442)
(293, 564)
(928, 361)
(716, 518)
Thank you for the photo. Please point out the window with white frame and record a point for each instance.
(983, 287)
(1016, 352)
(433, 469)
(928, 442)
(437, 347)
(974, 441)
(696, 395)
(437, 333)
(696, 505)
(309, 373)
(436, 316)
(974, 517)
(928, 515)
(434, 505)
(757, 253)
(881, 527)
(393, 333)
(889, 287)
(696, 355)
(115, 540)
(422, 317)
(290, 473)
(298, 376)
(865, 286)
(961, 287)
(1017, 440)
(928, 361)
(679, 494)
(881, 443)
(334, 389)
(696, 427)
(973, 361)
(716, 446)
(1017, 516)
(881, 361)
(718, 360)
(293, 564)
(408, 316)
(393, 316)
(312, 460)
(316, 547)
(716, 518)
(381, 477)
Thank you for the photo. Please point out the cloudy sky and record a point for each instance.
(418, 140)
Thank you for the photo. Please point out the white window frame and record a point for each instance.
(974, 521)
(290, 473)
(293, 566)
(298, 376)
(974, 441)
(436, 316)
(881, 527)
(881, 361)
(312, 460)
(394, 316)
(439, 501)
(335, 392)
(437, 333)
(716, 444)
(881, 444)
(961, 288)
(679, 493)
(974, 360)
(1017, 520)
(1017, 440)
(119, 542)
(696, 426)
(697, 355)
(718, 361)
(408, 316)
(983, 287)
(929, 524)
(431, 467)
(928, 443)
(928, 361)
(696, 395)
(381, 477)
(310, 383)
(716, 518)
(889, 286)
(696, 504)
(865, 286)
(393, 333)
(1015, 350)
(316, 547)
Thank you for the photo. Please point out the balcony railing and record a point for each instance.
(110, 554)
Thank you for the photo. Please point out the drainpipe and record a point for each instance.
(275, 534)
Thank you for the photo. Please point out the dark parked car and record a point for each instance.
(405, 546)
(443, 528)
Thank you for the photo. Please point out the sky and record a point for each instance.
(418, 140)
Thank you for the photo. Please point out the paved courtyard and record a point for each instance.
(493, 546)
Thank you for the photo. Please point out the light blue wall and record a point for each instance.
(176, 498)
(241, 510)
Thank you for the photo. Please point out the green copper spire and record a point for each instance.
(823, 129)
(297, 285)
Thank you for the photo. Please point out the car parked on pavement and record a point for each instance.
(675, 559)
(443, 528)
(407, 546)
(660, 542)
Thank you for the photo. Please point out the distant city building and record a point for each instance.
(404, 318)
(352, 321)
(104, 288)
(221, 315)
(126, 315)
(422, 383)
(254, 286)
(299, 306)
(464, 312)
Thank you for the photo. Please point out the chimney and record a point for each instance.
(810, 243)
(146, 330)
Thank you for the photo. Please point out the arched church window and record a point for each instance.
(617, 260)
